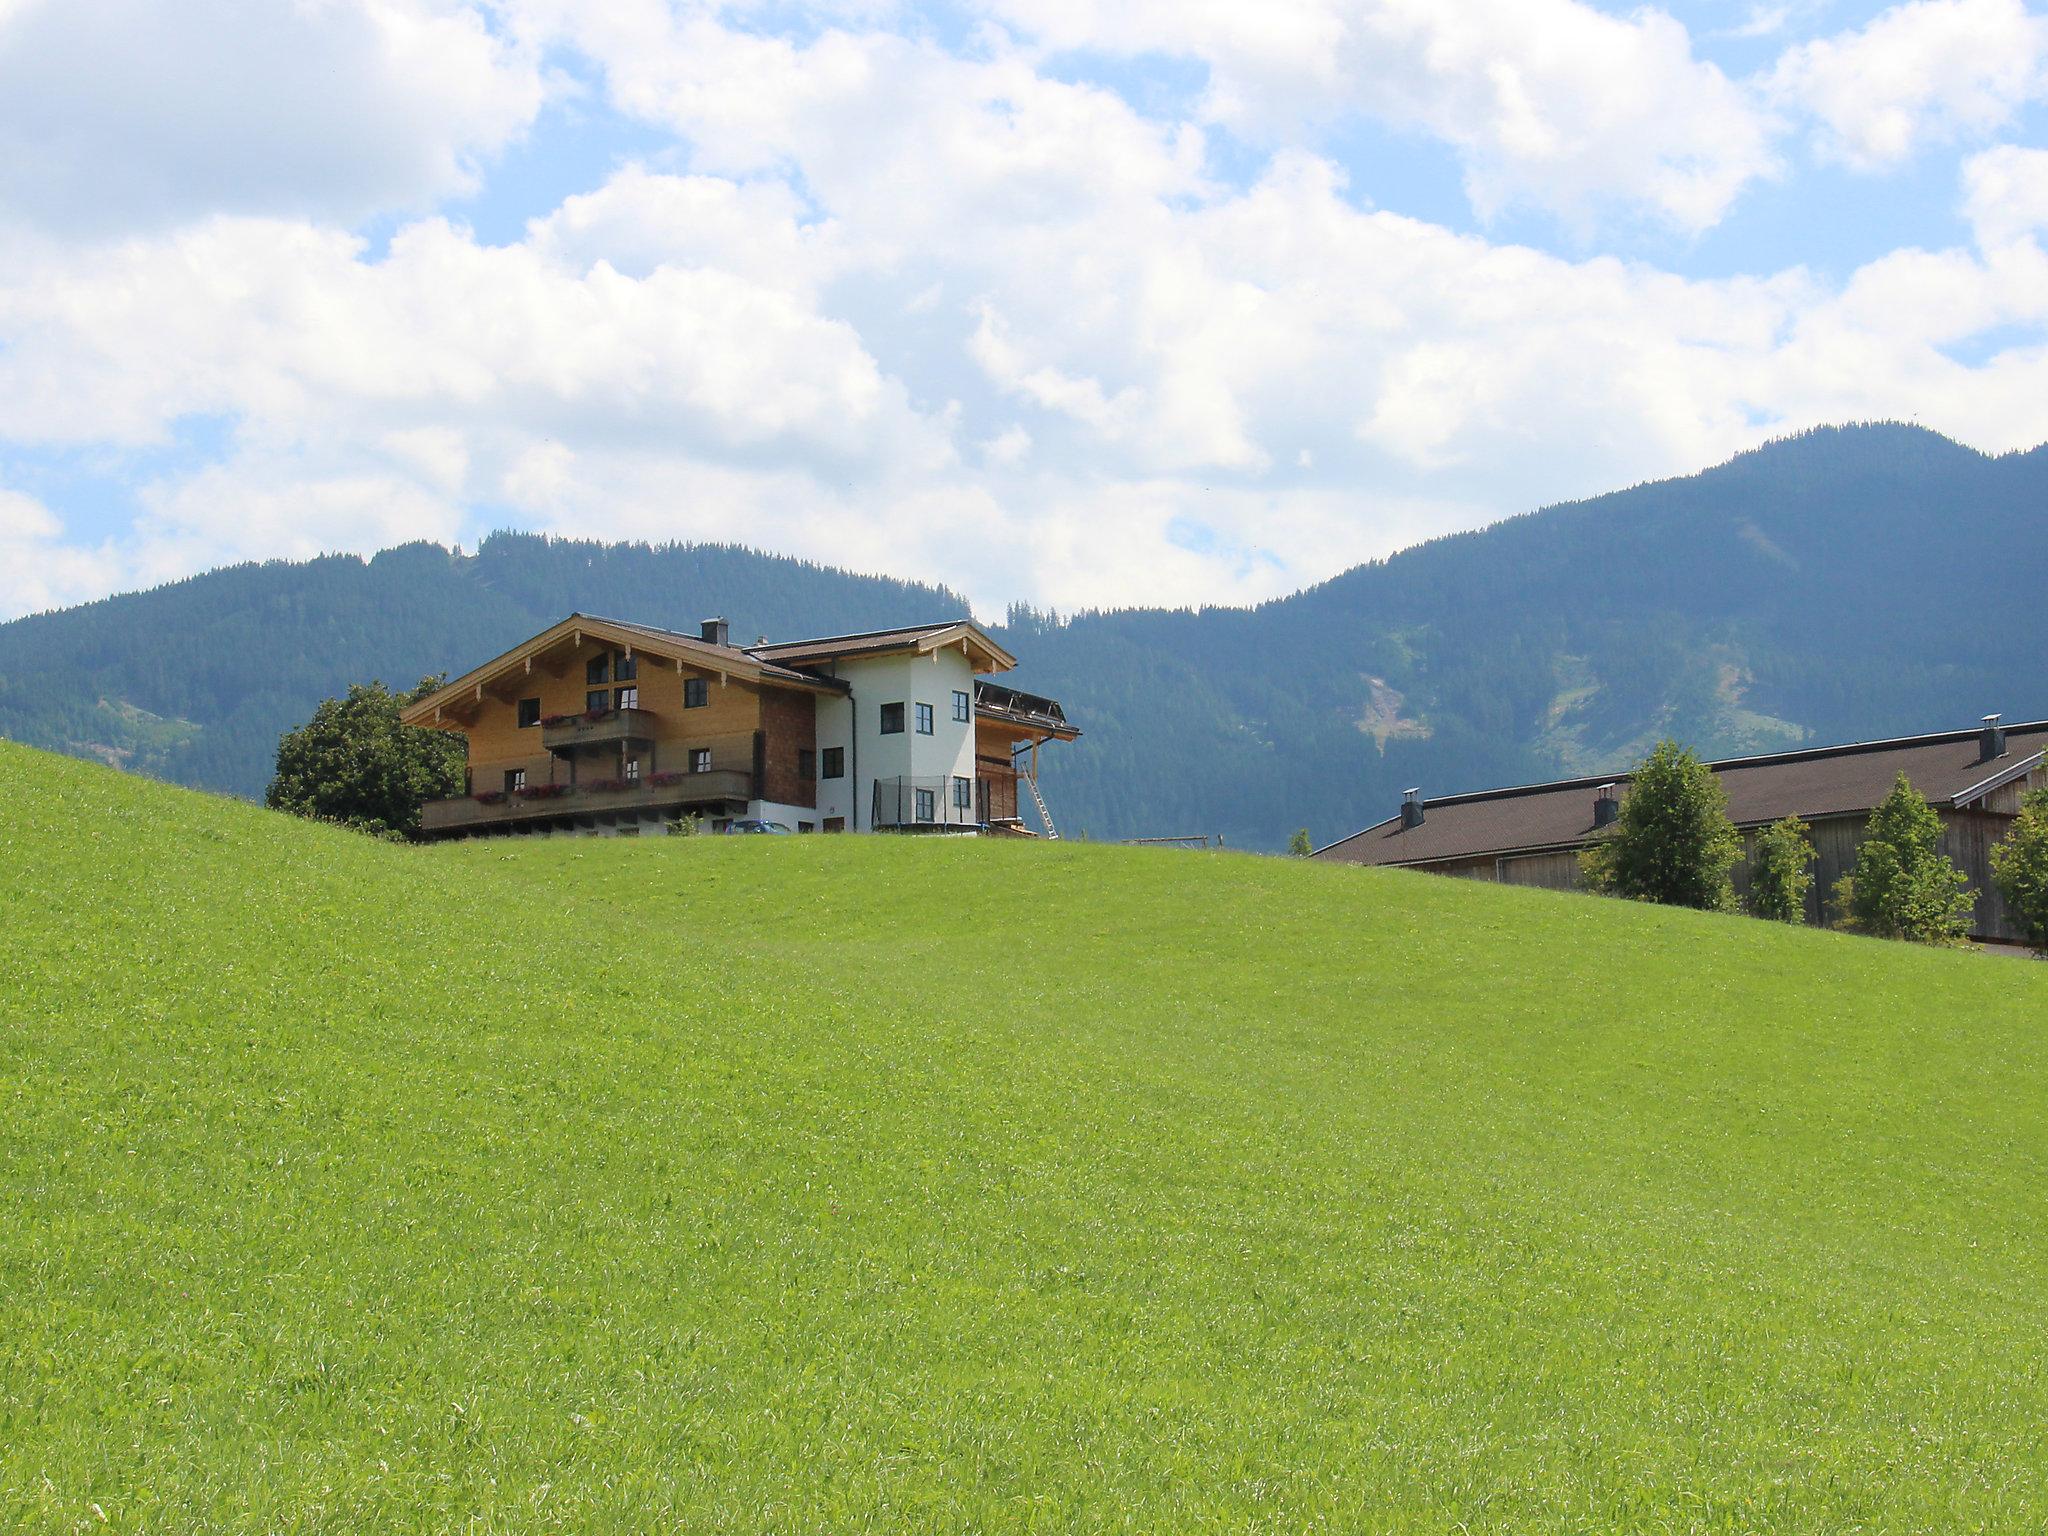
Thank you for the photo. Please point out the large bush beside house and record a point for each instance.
(2019, 867)
(1903, 886)
(354, 763)
(1781, 871)
(1672, 842)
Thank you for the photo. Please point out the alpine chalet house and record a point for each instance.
(599, 726)
(1974, 779)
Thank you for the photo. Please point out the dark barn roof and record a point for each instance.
(1949, 769)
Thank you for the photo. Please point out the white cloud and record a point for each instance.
(1762, 21)
(38, 569)
(640, 220)
(2005, 193)
(275, 321)
(952, 317)
(124, 114)
(376, 401)
(1550, 103)
(1008, 448)
(1925, 71)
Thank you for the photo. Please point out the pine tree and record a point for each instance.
(2019, 866)
(1672, 843)
(1299, 845)
(1781, 872)
(1903, 886)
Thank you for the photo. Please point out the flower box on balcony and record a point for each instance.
(489, 797)
(667, 777)
(542, 791)
(548, 722)
(605, 786)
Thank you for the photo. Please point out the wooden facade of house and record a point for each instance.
(1533, 835)
(601, 725)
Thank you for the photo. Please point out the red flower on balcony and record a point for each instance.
(595, 715)
(489, 797)
(604, 786)
(542, 791)
(666, 777)
(554, 720)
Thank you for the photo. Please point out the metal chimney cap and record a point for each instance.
(1411, 794)
(1993, 719)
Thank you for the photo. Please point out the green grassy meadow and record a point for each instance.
(836, 1185)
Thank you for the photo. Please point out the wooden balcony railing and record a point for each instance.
(614, 725)
(723, 787)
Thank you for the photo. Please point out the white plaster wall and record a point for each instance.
(856, 726)
(909, 681)
(949, 751)
(835, 729)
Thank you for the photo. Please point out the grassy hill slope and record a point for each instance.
(720, 1185)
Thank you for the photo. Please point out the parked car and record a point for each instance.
(755, 824)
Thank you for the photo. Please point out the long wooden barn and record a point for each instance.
(1533, 835)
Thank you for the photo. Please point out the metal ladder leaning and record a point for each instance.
(1052, 832)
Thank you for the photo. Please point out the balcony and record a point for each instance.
(612, 727)
(927, 805)
(992, 701)
(566, 804)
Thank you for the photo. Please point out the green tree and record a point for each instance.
(1672, 842)
(353, 763)
(1781, 872)
(1903, 886)
(2019, 866)
(1299, 845)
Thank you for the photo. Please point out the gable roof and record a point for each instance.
(921, 638)
(729, 660)
(1949, 769)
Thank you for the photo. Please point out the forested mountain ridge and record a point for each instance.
(1846, 583)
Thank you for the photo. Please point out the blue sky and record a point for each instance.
(1080, 304)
